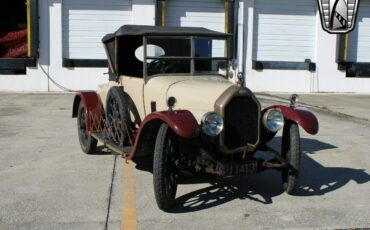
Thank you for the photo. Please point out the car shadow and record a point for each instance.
(102, 150)
(308, 146)
(144, 163)
(258, 188)
(315, 180)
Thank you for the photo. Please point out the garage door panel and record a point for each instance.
(281, 45)
(98, 11)
(363, 43)
(94, 18)
(298, 5)
(193, 7)
(190, 13)
(85, 22)
(192, 3)
(86, 35)
(278, 37)
(359, 38)
(288, 11)
(97, 4)
(197, 19)
(276, 57)
(209, 14)
(284, 31)
(89, 27)
(285, 21)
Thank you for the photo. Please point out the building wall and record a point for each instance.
(326, 78)
(51, 54)
(35, 79)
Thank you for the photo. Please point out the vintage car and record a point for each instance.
(170, 97)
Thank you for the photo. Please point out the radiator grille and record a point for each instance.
(241, 122)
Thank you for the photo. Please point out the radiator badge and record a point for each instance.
(338, 16)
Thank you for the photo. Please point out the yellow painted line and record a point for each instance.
(163, 13)
(345, 55)
(226, 16)
(28, 28)
(129, 219)
(226, 21)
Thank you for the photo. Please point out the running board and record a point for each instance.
(123, 151)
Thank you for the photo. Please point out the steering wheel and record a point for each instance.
(161, 66)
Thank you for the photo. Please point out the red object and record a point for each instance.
(93, 106)
(182, 122)
(13, 44)
(304, 118)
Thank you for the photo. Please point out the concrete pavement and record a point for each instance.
(46, 182)
(345, 105)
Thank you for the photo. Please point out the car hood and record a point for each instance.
(197, 94)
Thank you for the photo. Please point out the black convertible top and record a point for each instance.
(139, 30)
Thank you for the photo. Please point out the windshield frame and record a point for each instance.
(192, 57)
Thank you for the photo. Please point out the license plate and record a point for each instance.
(238, 169)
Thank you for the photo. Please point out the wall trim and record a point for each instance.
(16, 65)
(88, 63)
(355, 69)
(283, 65)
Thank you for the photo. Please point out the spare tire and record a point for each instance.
(116, 114)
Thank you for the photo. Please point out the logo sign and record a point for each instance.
(338, 16)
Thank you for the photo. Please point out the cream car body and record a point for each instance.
(169, 97)
(194, 93)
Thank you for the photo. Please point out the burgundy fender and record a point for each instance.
(93, 106)
(304, 118)
(182, 122)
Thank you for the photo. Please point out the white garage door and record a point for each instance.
(284, 30)
(359, 38)
(85, 22)
(209, 14)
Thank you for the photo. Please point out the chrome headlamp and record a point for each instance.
(273, 120)
(212, 124)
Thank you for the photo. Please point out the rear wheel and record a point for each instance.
(164, 168)
(291, 151)
(87, 142)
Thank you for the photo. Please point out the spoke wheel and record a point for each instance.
(291, 151)
(118, 130)
(164, 168)
(87, 142)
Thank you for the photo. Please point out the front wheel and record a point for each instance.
(164, 169)
(291, 151)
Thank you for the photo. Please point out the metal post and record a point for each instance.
(192, 55)
(145, 73)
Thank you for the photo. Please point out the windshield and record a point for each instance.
(184, 55)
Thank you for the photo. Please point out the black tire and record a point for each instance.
(291, 151)
(117, 115)
(164, 169)
(87, 142)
